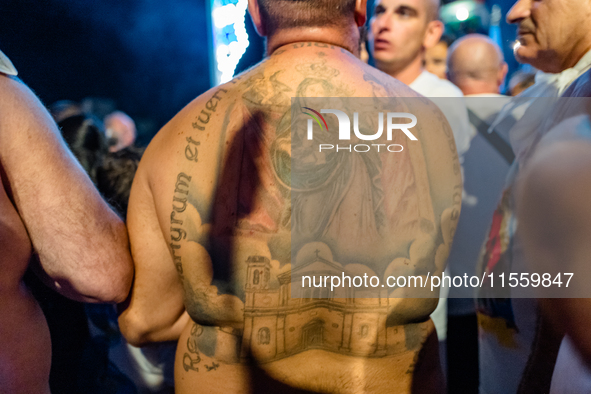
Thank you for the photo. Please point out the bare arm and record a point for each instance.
(155, 311)
(81, 243)
(159, 222)
(555, 223)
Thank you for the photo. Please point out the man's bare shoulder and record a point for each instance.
(10, 85)
(206, 127)
(192, 148)
(16, 103)
(202, 119)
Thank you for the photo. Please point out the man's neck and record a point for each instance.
(478, 87)
(576, 54)
(347, 38)
(406, 75)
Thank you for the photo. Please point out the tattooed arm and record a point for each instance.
(80, 242)
(162, 223)
(154, 311)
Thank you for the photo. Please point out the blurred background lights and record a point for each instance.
(230, 38)
(467, 16)
(462, 14)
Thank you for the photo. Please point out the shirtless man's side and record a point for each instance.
(52, 217)
(212, 210)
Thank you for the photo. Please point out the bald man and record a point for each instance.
(476, 65)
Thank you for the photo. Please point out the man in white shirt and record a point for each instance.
(400, 31)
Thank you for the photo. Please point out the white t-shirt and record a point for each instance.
(6, 65)
(429, 85)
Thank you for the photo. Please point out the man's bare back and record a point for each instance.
(213, 192)
(47, 206)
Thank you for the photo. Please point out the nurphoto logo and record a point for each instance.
(345, 130)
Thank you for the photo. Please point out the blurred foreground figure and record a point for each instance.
(213, 212)
(67, 235)
(518, 347)
(555, 225)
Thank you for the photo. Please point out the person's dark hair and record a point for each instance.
(446, 39)
(84, 136)
(111, 173)
(286, 14)
(521, 80)
(115, 176)
(63, 109)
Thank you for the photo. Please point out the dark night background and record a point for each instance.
(150, 56)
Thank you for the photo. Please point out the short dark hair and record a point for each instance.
(446, 39)
(115, 176)
(85, 138)
(286, 14)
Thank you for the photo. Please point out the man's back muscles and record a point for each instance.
(247, 211)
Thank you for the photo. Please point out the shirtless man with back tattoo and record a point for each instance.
(52, 219)
(215, 208)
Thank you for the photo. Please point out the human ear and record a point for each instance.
(433, 34)
(360, 12)
(255, 14)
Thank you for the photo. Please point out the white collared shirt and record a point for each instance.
(6, 65)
